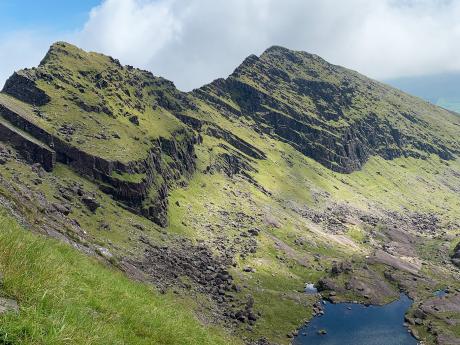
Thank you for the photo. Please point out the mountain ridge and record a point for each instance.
(308, 119)
(290, 170)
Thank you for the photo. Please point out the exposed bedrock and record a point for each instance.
(456, 255)
(329, 118)
(23, 87)
(147, 196)
(340, 148)
(31, 150)
(214, 130)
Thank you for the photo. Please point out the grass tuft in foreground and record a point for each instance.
(68, 298)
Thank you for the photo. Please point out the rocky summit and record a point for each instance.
(229, 199)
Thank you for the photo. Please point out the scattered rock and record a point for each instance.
(104, 252)
(91, 203)
(134, 120)
(64, 209)
(139, 226)
(8, 305)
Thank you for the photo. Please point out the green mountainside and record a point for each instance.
(331, 114)
(233, 196)
(67, 297)
(106, 121)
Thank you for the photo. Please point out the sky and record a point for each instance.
(193, 42)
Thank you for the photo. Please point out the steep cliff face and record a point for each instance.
(22, 86)
(105, 121)
(333, 115)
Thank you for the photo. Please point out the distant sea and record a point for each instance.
(440, 89)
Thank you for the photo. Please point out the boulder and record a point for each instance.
(420, 314)
(104, 252)
(8, 305)
(456, 256)
(91, 203)
(134, 120)
(64, 209)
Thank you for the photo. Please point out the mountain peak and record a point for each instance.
(65, 54)
(59, 49)
(332, 114)
(286, 53)
(276, 49)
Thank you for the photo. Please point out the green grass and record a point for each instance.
(356, 234)
(294, 181)
(67, 298)
(133, 178)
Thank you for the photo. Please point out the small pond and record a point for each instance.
(357, 324)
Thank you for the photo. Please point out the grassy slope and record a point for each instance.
(403, 184)
(294, 180)
(68, 298)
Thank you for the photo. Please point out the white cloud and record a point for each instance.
(195, 41)
(21, 49)
(133, 30)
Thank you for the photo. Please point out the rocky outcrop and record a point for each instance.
(456, 256)
(236, 142)
(215, 131)
(331, 114)
(38, 145)
(23, 87)
(30, 149)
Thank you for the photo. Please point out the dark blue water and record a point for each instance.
(356, 324)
